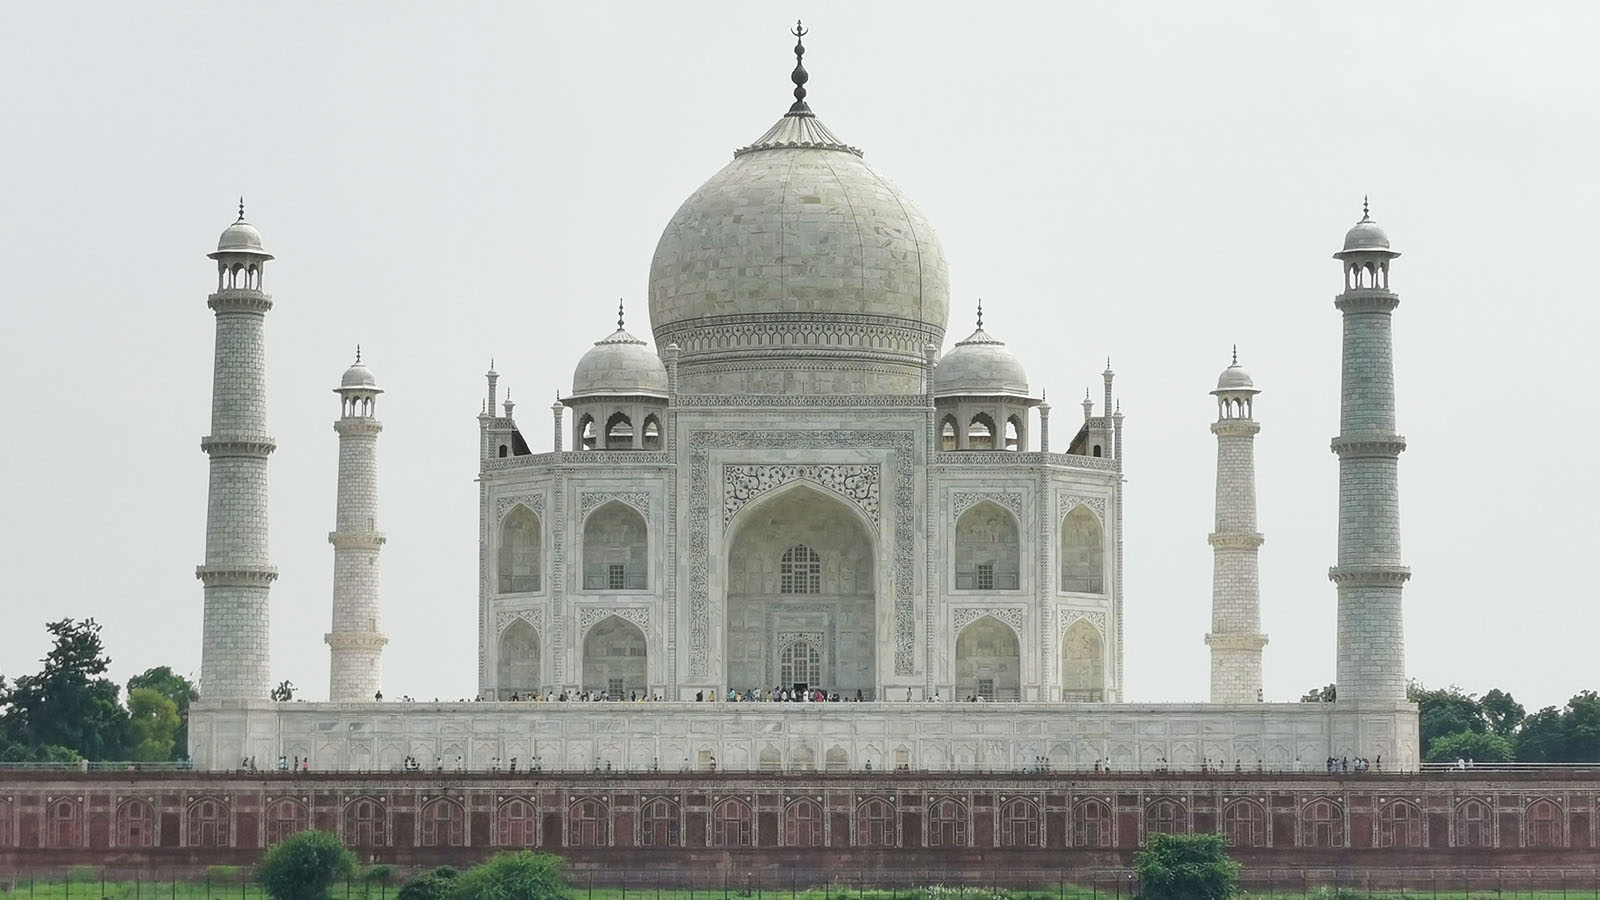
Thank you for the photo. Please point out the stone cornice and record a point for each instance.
(259, 446)
(356, 540)
(1236, 641)
(1243, 541)
(235, 300)
(355, 640)
(823, 401)
(1369, 576)
(236, 576)
(1359, 445)
(1366, 300)
(1236, 428)
(619, 459)
(1024, 458)
(357, 426)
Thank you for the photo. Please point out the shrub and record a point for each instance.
(434, 884)
(524, 875)
(1186, 867)
(305, 866)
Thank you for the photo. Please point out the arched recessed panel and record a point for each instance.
(615, 549)
(947, 433)
(519, 555)
(981, 433)
(800, 566)
(518, 669)
(615, 661)
(988, 661)
(1083, 668)
(1082, 552)
(988, 552)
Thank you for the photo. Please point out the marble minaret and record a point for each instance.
(1369, 575)
(355, 643)
(235, 656)
(1235, 639)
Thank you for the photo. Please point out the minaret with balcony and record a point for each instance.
(1235, 638)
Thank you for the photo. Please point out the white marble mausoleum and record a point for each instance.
(799, 480)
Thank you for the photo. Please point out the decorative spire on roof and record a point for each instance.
(799, 76)
(358, 355)
(1366, 209)
(980, 312)
(241, 207)
(1236, 354)
(619, 313)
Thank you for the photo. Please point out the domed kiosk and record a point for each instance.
(799, 269)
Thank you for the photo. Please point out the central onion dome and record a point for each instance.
(799, 269)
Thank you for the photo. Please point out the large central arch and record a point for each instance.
(801, 594)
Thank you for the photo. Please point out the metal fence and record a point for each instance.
(733, 882)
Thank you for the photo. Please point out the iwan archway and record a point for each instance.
(801, 598)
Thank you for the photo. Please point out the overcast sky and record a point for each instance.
(444, 183)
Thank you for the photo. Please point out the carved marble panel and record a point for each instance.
(589, 616)
(855, 483)
(700, 443)
(534, 502)
(590, 501)
(961, 501)
(534, 617)
(962, 616)
(1067, 502)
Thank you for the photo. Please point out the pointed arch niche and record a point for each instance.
(517, 670)
(615, 549)
(1083, 555)
(615, 659)
(1083, 665)
(988, 661)
(988, 553)
(518, 558)
(773, 627)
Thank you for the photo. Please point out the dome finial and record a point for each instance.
(1236, 354)
(619, 313)
(358, 354)
(980, 312)
(1366, 209)
(799, 76)
(241, 207)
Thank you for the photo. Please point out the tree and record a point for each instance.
(69, 703)
(152, 725)
(1445, 711)
(304, 866)
(1186, 867)
(434, 884)
(1488, 747)
(1540, 737)
(524, 875)
(1569, 734)
(180, 690)
(284, 692)
(1501, 712)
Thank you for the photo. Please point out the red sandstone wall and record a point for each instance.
(685, 824)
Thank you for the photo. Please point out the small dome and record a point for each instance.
(358, 376)
(240, 235)
(240, 238)
(1235, 378)
(620, 364)
(980, 365)
(1366, 235)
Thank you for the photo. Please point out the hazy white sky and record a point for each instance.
(444, 183)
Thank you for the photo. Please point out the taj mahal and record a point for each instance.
(808, 478)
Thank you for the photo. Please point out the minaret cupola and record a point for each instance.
(240, 257)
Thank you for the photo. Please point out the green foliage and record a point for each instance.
(1445, 711)
(1186, 867)
(382, 873)
(305, 866)
(1471, 745)
(524, 875)
(69, 703)
(1568, 734)
(180, 690)
(152, 725)
(434, 884)
(1501, 712)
